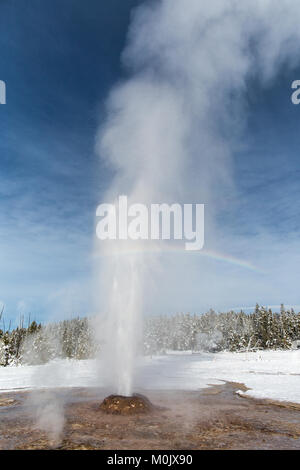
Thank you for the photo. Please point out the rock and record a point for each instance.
(121, 405)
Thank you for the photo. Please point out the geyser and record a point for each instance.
(122, 405)
(169, 136)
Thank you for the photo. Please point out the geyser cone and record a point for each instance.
(122, 405)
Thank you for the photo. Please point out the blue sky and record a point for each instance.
(59, 59)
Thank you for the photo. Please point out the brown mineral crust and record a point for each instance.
(209, 419)
(122, 405)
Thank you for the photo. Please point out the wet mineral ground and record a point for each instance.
(215, 418)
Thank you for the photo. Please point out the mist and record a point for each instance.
(170, 134)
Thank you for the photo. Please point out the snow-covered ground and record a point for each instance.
(268, 374)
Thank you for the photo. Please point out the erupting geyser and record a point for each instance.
(124, 275)
(121, 405)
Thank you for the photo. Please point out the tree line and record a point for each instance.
(211, 331)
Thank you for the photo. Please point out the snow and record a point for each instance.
(268, 374)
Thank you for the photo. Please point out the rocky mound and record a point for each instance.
(121, 405)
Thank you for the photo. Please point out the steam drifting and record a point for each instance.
(171, 131)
